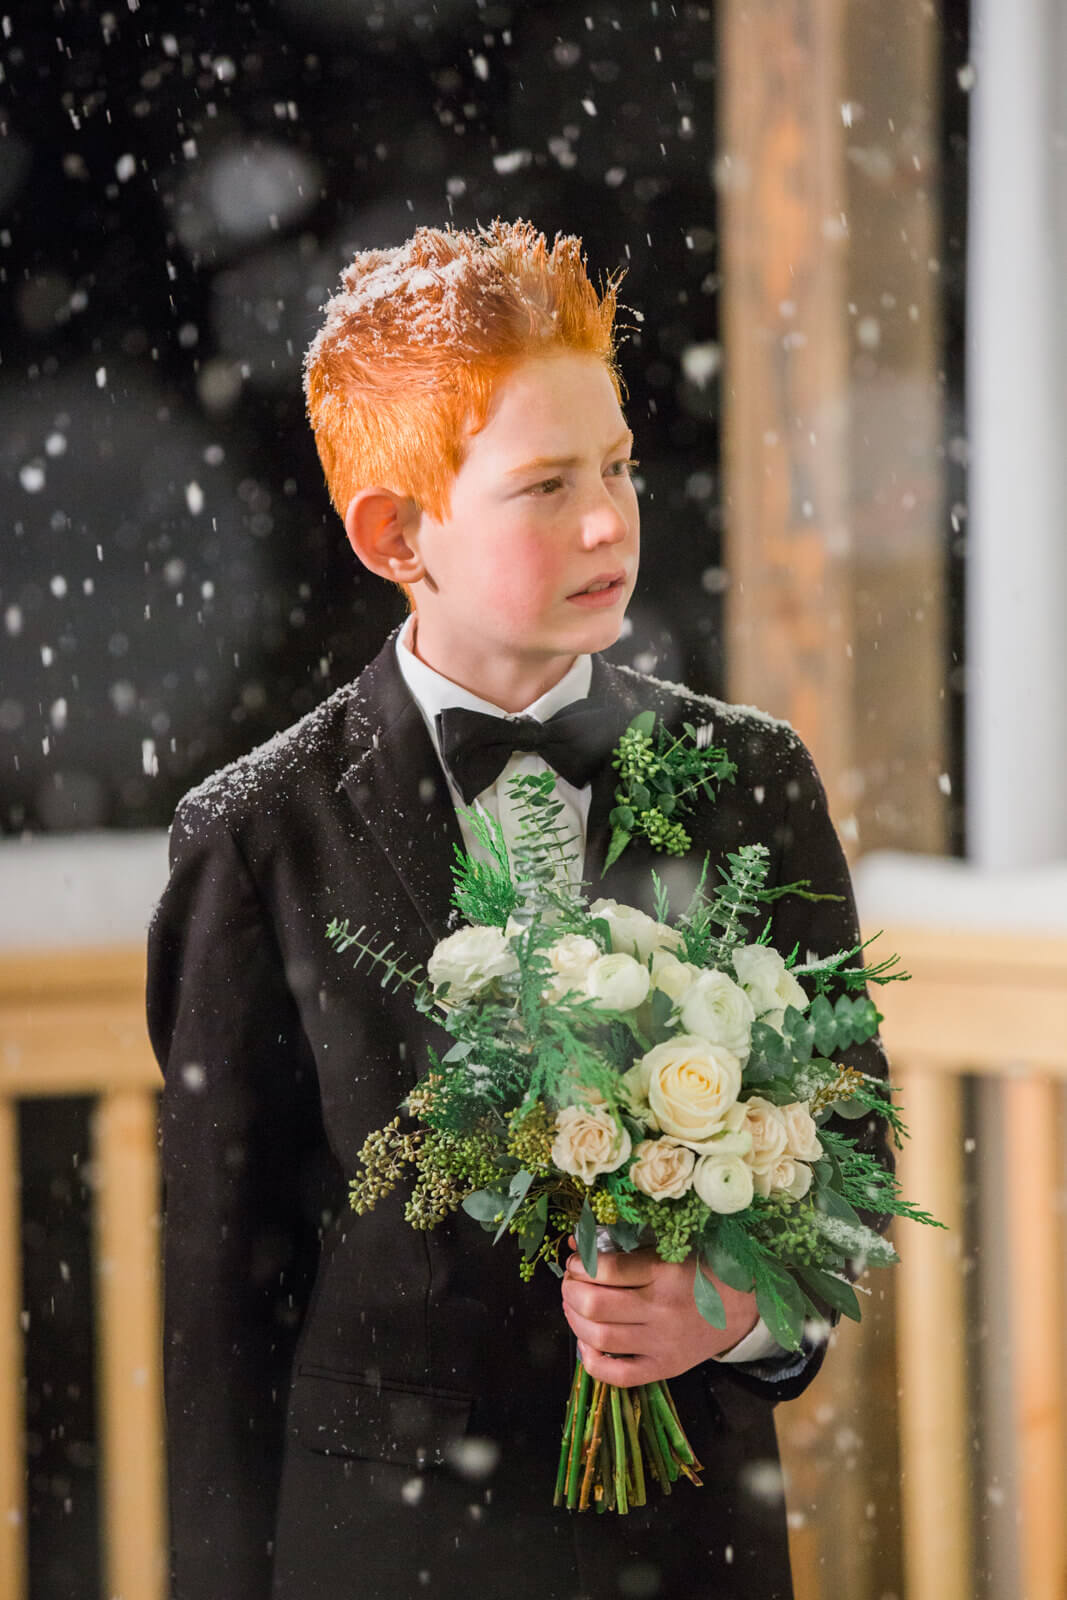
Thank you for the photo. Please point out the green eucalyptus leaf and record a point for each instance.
(620, 838)
(625, 1235)
(459, 1051)
(622, 817)
(833, 1204)
(517, 1188)
(644, 722)
(585, 1233)
(484, 1205)
(727, 1268)
(640, 796)
(709, 1300)
(780, 1302)
(837, 1294)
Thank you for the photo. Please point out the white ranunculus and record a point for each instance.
(801, 1133)
(767, 981)
(589, 1141)
(671, 975)
(662, 1169)
(791, 1177)
(766, 1124)
(724, 1183)
(617, 982)
(634, 931)
(634, 1085)
(691, 1085)
(468, 961)
(570, 959)
(720, 1010)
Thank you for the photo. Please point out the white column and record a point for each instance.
(1016, 338)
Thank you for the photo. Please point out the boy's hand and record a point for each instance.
(637, 1321)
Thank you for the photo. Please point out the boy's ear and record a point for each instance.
(382, 528)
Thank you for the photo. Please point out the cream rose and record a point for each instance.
(787, 1177)
(617, 982)
(691, 1084)
(671, 975)
(588, 1142)
(662, 1169)
(764, 1121)
(634, 931)
(724, 1183)
(468, 961)
(801, 1134)
(718, 1009)
(570, 959)
(767, 981)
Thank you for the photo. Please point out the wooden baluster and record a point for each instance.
(129, 1344)
(13, 1566)
(931, 1344)
(1034, 1188)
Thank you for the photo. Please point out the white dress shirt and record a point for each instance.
(433, 693)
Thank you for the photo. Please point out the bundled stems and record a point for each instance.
(610, 1435)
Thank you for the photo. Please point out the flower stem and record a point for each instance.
(647, 1424)
(638, 1495)
(618, 1452)
(574, 1461)
(600, 1390)
(567, 1443)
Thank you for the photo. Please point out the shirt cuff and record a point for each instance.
(758, 1345)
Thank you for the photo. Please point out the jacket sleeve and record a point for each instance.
(808, 847)
(240, 1128)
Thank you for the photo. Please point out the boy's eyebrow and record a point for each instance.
(541, 462)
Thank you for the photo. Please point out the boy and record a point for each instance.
(354, 1408)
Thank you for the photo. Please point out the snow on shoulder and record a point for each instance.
(722, 710)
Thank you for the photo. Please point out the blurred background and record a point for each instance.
(844, 226)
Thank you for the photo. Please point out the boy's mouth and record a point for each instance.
(603, 587)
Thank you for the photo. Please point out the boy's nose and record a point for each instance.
(604, 524)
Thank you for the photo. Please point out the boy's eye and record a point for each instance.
(546, 486)
(625, 467)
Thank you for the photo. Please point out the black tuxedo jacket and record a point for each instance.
(323, 1371)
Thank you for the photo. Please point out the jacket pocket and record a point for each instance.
(352, 1414)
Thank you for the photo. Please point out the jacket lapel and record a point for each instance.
(396, 784)
(630, 874)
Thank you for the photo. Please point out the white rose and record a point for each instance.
(767, 981)
(662, 1169)
(617, 982)
(691, 1084)
(801, 1134)
(468, 961)
(588, 1142)
(724, 1183)
(634, 931)
(766, 1124)
(671, 975)
(570, 959)
(716, 1008)
(791, 1177)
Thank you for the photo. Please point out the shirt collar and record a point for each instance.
(433, 693)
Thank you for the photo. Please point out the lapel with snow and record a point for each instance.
(396, 784)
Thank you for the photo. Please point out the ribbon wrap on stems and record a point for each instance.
(611, 1435)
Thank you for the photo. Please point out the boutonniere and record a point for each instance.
(659, 775)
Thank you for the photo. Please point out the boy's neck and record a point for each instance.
(509, 684)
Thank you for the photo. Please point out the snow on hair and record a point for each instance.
(416, 337)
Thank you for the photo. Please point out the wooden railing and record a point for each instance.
(995, 1005)
(72, 1023)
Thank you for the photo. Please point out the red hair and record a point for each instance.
(417, 337)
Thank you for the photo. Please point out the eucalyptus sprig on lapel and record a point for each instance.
(660, 773)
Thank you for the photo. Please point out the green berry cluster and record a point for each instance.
(787, 1227)
(436, 1194)
(635, 754)
(470, 1158)
(603, 1206)
(529, 1138)
(663, 834)
(676, 1223)
(384, 1155)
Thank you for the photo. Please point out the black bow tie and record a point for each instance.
(476, 747)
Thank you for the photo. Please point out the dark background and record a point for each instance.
(180, 185)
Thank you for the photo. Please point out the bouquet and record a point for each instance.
(638, 1081)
